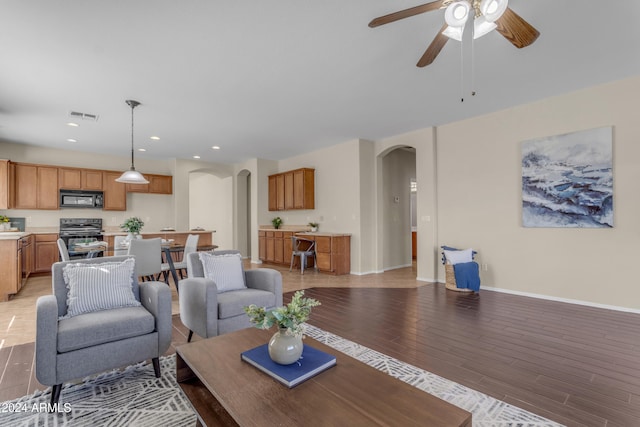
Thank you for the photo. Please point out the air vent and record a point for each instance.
(84, 116)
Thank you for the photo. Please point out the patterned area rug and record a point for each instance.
(135, 397)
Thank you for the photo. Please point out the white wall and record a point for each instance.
(479, 199)
(210, 206)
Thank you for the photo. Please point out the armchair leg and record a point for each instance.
(190, 335)
(156, 366)
(55, 394)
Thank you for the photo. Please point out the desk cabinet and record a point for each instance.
(333, 251)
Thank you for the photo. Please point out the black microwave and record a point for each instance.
(81, 199)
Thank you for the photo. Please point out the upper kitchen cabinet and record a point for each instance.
(34, 186)
(79, 179)
(158, 184)
(292, 190)
(4, 184)
(115, 193)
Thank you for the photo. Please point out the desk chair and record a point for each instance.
(64, 252)
(148, 253)
(303, 248)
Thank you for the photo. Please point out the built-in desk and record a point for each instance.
(333, 250)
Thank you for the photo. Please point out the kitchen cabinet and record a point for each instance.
(292, 190)
(158, 184)
(262, 245)
(79, 179)
(16, 259)
(303, 189)
(45, 252)
(273, 193)
(274, 246)
(27, 247)
(4, 184)
(10, 268)
(115, 193)
(35, 186)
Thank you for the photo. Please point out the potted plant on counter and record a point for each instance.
(277, 222)
(4, 223)
(314, 226)
(132, 226)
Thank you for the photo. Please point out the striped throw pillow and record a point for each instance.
(226, 270)
(102, 286)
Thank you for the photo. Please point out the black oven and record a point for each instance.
(80, 230)
(81, 199)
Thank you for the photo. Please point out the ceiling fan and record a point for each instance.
(487, 16)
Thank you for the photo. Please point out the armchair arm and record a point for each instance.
(46, 339)
(156, 298)
(266, 279)
(199, 306)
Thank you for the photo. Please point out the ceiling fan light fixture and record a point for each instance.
(492, 10)
(482, 27)
(454, 33)
(457, 13)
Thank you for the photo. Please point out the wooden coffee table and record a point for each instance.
(224, 390)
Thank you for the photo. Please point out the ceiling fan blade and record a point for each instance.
(396, 16)
(515, 29)
(434, 48)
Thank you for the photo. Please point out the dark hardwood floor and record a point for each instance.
(573, 364)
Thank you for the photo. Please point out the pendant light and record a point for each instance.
(132, 176)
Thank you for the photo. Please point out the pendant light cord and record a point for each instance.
(132, 165)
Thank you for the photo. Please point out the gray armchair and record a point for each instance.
(93, 342)
(209, 313)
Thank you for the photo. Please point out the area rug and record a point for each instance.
(135, 397)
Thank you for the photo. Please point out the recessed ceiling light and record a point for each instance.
(72, 140)
(141, 149)
(75, 125)
(215, 147)
(155, 138)
(196, 157)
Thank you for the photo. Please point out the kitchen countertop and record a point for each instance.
(124, 233)
(303, 231)
(322, 233)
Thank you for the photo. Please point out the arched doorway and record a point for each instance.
(397, 206)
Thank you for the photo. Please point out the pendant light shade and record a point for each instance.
(132, 176)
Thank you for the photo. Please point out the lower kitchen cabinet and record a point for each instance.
(46, 252)
(16, 256)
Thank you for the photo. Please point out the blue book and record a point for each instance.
(312, 362)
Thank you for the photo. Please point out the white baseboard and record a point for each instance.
(364, 273)
(567, 300)
(397, 267)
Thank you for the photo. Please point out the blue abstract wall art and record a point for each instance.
(567, 180)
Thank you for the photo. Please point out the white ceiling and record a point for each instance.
(273, 79)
